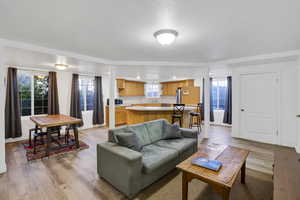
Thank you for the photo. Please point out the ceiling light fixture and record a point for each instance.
(165, 36)
(61, 66)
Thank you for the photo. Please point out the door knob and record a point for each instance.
(242, 110)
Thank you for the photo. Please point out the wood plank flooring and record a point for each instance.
(74, 175)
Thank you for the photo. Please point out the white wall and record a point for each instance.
(288, 98)
(2, 130)
(298, 107)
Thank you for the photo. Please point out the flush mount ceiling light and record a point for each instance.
(166, 36)
(61, 66)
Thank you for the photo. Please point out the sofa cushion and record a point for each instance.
(129, 140)
(112, 133)
(180, 145)
(141, 131)
(171, 131)
(156, 156)
(155, 129)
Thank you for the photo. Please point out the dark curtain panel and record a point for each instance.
(98, 114)
(53, 105)
(228, 102)
(75, 99)
(211, 114)
(203, 97)
(13, 126)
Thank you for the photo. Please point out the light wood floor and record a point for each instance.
(74, 175)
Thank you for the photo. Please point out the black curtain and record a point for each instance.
(53, 105)
(75, 99)
(228, 102)
(13, 126)
(98, 114)
(211, 113)
(203, 97)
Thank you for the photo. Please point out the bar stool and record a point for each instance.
(197, 116)
(178, 111)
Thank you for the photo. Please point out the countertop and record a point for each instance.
(148, 108)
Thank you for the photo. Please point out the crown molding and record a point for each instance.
(286, 54)
(118, 63)
(158, 63)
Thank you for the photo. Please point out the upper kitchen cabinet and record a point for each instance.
(130, 88)
(169, 88)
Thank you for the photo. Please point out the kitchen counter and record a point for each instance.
(140, 114)
(151, 108)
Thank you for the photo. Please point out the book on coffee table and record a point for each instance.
(206, 163)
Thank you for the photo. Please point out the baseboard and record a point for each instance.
(3, 168)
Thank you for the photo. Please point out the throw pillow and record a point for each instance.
(171, 131)
(130, 140)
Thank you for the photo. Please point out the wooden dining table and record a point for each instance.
(50, 121)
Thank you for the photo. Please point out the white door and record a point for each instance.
(259, 107)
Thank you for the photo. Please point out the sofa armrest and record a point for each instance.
(120, 166)
(189, 133)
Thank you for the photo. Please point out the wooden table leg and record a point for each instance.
(226, 194)
(243, 173)
(222, 191)
(185, 186)
(76, 136)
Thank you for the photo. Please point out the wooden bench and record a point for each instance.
(286, 175)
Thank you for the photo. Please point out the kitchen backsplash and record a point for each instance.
(140, 100)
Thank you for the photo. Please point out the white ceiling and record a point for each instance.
(209, 30)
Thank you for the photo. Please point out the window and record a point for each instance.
(33, 90)
(86, 87)
(219, 88)
(152, 90)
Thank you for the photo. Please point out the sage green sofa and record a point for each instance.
(130, 171)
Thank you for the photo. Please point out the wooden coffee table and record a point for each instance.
(233, 160)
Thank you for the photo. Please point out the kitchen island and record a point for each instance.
(140, 114)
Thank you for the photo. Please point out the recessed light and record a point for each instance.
(61, 66)
(165, 36)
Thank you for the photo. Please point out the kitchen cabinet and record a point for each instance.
(121, 83)
(169, 88)
(130, 88)
(191, 95)
(120, 115)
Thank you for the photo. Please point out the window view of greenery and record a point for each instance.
(36, 96)
(86, 87)
(40, 95)
(24, 82)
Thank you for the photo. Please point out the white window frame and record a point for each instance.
(218, 80)
(32, 74)
(84, 91)
(152, 84)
